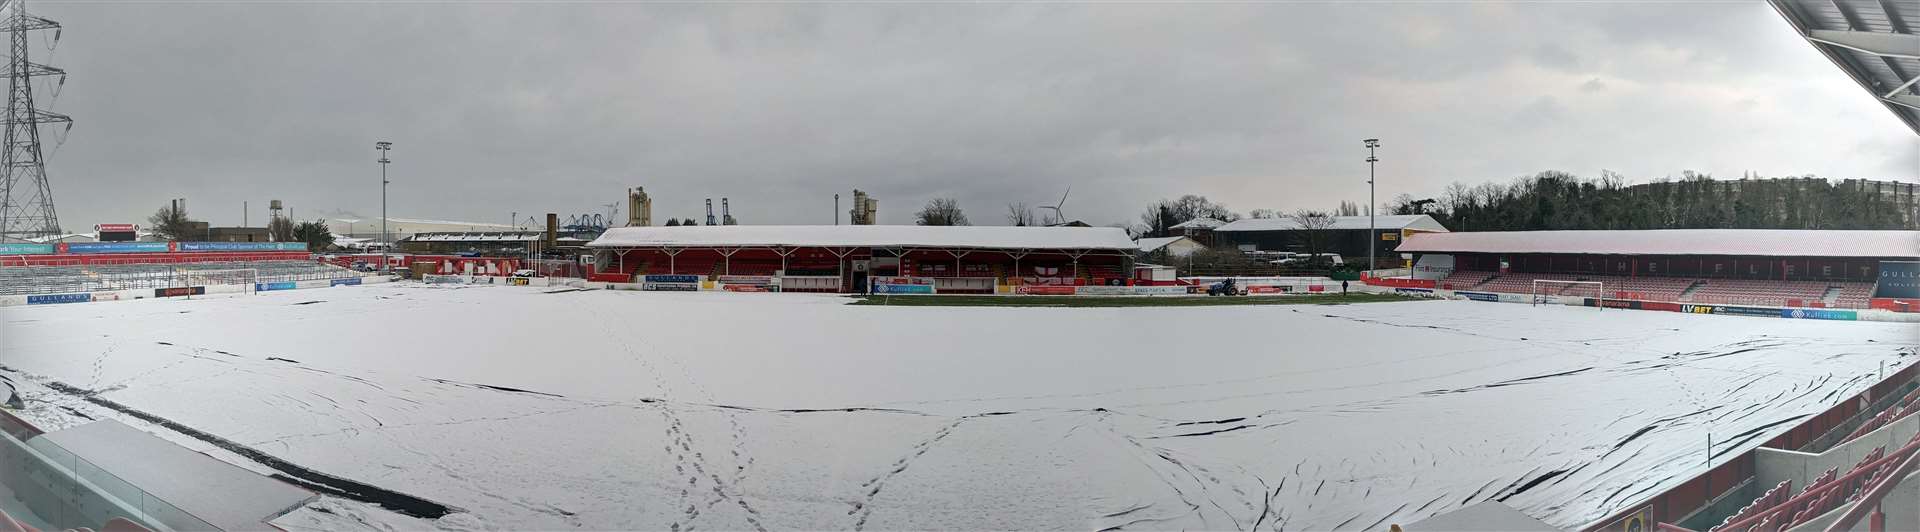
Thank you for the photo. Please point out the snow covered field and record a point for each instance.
(628, 410)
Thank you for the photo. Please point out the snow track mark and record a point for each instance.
(863, 508)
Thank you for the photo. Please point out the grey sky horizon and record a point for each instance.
(541, 107)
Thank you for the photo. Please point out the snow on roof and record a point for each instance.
(478, 237)
(1199, 223)
(1386, 221)
(984, 237)
(420, 221)
(1150, 245)
(1751, 242)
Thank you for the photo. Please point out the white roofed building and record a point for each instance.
(1346, 236)
(400, 228)
(1172, 246)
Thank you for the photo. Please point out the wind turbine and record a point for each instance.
(1059, 216)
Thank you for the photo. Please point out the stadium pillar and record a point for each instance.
(383, 146)
(1373, 238)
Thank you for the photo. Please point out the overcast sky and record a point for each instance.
(535, 107)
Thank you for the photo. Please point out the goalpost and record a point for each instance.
(1547, 290)
(247, 278)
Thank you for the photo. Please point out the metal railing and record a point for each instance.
(30, 280)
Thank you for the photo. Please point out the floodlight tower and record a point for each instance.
(1373, 236)
(26, 199)
(383, 146)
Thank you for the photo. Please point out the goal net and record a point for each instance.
(1548, 291)
(246, 278)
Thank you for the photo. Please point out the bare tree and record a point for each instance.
(171, 222)
(1019, 214)
(1261, 214)
(941, 211)
(280, 229)
(1347, 208)
(1314, 225)
(1167, 213)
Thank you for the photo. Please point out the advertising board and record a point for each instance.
(1044, 290)
(26, 249)
(892, 288)
(657, 286)
(673, 279)
(1819, 314)
(179, 291)
(1480, 296)
(281, 285)
(1900, 280)
(761, 280)
(1746, 311)
(239, 246)
(55, 299)
(117, 247)
(344, 282)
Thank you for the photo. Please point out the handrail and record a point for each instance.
(1871, 500)
(1815, 493)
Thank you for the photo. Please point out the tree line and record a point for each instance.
(1551, 200)
(1558, 200)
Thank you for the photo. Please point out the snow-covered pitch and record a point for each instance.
(527, 409)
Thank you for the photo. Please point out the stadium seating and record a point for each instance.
(1853, 295)
(1757, 292)
(1522, 283)
(1826, 493)
(29, 280)
(751, 268)
(1464, 280)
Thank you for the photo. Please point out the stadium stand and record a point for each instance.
(1764, 268)
(30, 280)
(1828, 492)
(830, 258)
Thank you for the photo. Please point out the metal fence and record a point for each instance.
(29, 280)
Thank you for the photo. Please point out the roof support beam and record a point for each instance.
(1908, 100)
(1899, 45)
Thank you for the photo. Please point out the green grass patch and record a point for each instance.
(1124, 301)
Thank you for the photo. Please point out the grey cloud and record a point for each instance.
(1551, 55)
(497, 108)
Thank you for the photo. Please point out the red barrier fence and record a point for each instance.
(1894, 304)
(1398, 282)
